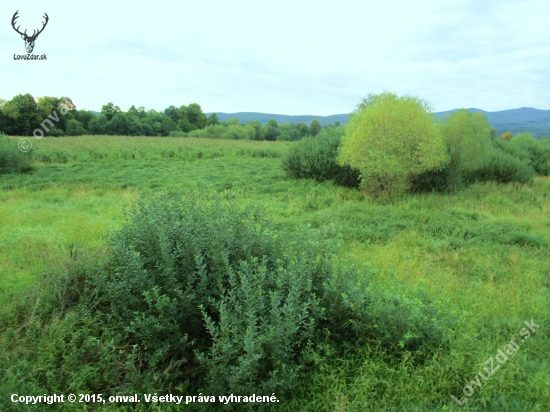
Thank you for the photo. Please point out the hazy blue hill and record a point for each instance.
(525, 119)
(245, 117)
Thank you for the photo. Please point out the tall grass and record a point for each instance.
(482, 254)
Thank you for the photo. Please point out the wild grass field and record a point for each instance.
(481, 255)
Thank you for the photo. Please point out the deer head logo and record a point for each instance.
(29, 40)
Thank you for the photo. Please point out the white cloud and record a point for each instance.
(288, 57)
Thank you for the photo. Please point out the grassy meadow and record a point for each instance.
(481, 254)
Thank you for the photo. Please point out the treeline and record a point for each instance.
(26, 116)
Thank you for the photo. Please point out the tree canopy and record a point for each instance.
(390, 140)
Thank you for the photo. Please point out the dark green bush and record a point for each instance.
(177, 133)
(55, 132)
(536, 153)
(315, 158)
(232, 135)
(13, 160)
(442, 180)
(204, 292)
(178, 264)
(502, 167)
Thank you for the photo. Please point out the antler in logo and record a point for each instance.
(29, 40)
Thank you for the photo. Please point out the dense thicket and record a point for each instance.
(315, 158)
(13, 160)
(472, 152)
(204, 293)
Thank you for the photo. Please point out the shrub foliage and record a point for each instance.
(315, 158)
(13, 160)
(391, 140)
(203, 292)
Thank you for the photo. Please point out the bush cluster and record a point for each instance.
(502, 167)
(394, 146)
(315, 158)
(535, 153)
(205, 292)
(13, 160)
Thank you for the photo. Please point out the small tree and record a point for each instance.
(390, 140)
(468, 139)
(213, 120)
(302, 128)
(75, 128)
(110, 110)
(315, 127)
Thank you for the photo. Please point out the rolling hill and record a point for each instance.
(525, 119)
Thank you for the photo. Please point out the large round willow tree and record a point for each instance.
(390, 140)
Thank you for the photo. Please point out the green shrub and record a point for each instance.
(232, 134)
(75, 128)
(13, 160)
(467, 136)
(177, 133)
(502, 167)
(178, 264)
(284, 137)
(55, 132)
(538, 151)
(201, 290)
(391, 140)
(315, 158)
(215, 131)
(444, 180)
(197, 133)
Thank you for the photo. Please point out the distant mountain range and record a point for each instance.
(525, 119)
(245, 117)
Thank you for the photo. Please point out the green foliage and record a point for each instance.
(391, 140)
(213, 120)
(302, 128)
(75, 128)
(271, 132)
(506, 136)
(232, 122)
(524, 146)
(56, 132)
(21, 115)
(468, 139)
(284, 137)
(502, 167)
(231, 134)
(178, 264)
(110, 110)
(259, 131)
(177, 133)
(315, 158)
(13, 160)
(487, 242)
(314, 127)
(202, 288)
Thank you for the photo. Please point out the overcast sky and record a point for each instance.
(291, 57)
